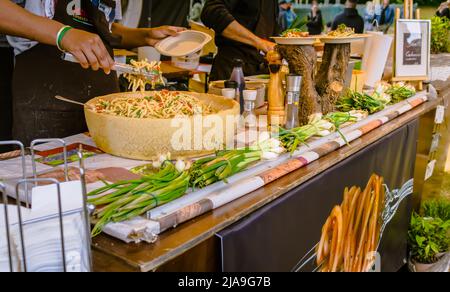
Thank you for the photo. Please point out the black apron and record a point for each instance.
(254, 62)
(6, 69)
(40, 74)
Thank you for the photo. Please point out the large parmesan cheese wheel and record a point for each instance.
(147, 139)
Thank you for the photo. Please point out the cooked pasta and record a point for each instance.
(139, 82)
(342, 31)
(295, 33)
(160, 105)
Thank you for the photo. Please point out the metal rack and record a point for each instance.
(26, 182)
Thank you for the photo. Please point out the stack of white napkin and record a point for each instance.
(42, 233)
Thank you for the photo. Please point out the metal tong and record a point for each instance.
(119, 67)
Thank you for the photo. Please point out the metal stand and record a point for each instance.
(61, 214)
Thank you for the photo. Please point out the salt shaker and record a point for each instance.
(250, 120)
(293, 90)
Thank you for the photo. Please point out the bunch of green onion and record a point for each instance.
(207, 171)
(400, 92)
(353, 100)
(339, 119)
(292, 139)
(126, 200)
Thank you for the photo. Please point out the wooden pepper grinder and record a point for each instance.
(275, 93)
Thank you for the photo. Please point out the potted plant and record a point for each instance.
(429, 238)
(437, 209)
(440, 27)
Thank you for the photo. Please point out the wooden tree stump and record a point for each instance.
(302, 61)
(332, 74)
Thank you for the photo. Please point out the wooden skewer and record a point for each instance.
(406, 10)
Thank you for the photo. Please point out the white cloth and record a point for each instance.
(42, 235)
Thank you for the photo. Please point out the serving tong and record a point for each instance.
(119, 67)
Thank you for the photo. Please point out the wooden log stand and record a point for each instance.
(302, 61)
(320, 96)
(331, 76)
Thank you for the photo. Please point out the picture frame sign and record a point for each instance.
(412, 57)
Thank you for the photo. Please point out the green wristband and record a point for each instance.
(59, 37)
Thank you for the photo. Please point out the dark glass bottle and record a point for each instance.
(238, 76)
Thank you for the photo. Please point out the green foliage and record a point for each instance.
(419, 2)
(428, 237)
(437, 209)
(440, 27)
(299, 23)
(353, 100)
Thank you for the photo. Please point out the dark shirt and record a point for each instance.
(219, 14)
(315, 24)
(3, 42)
(444, 13)
(350, 18)
(258, 16)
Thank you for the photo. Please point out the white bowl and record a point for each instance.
(184, 44)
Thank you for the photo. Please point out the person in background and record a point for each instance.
(369, 16)
(242, 32)
(287, 15)
(15, 20)
(328, 26)
(85, 28)
(444, 10)
(350, 17)
(315, 19)
(387, 16)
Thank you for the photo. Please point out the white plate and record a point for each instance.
(186, 43)
(343, 40)
(258, 78)
(300, 41)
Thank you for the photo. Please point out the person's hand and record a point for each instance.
(444, 6)
(155, 35)
(88, 49)
(265, 46)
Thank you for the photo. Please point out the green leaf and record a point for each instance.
(427, 250)
(420, 240)
(435, 248)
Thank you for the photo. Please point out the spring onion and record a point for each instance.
(353, 100)
(128, 199)
(400, 92)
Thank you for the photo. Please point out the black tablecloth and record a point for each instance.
(277, 237)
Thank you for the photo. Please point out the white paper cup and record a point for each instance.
(229, 93)
(250, 95)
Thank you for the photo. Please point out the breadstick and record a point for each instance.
(364, 228)
(320, 248)
(350, 232)
(338, 237)
(375, 214)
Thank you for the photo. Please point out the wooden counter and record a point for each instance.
(193, 247)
